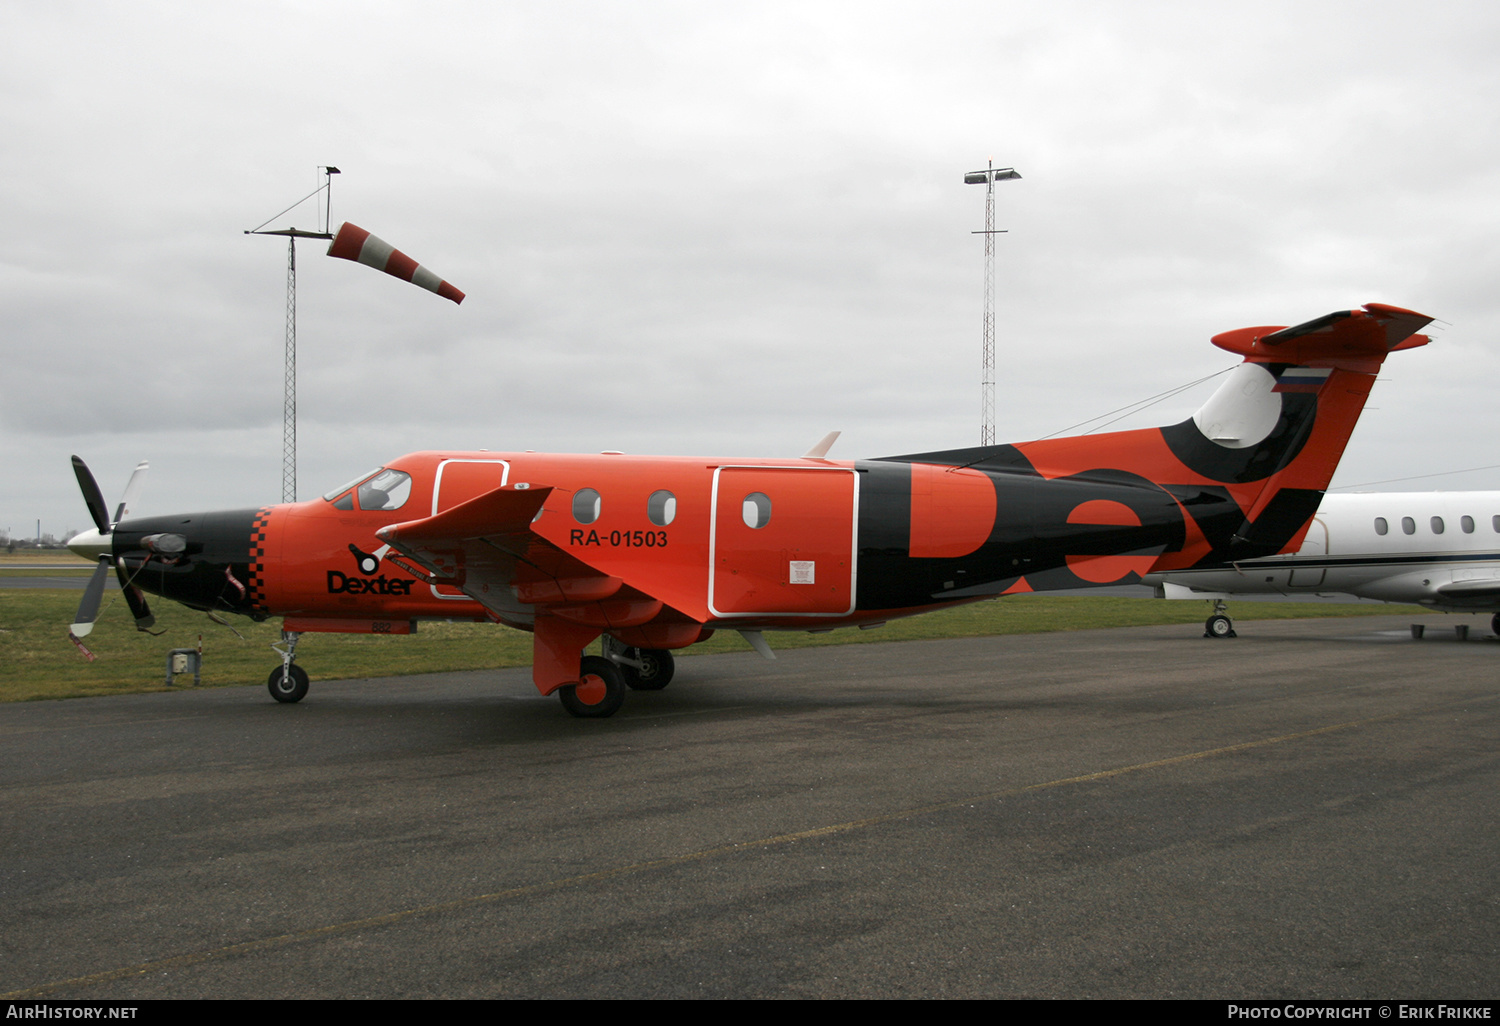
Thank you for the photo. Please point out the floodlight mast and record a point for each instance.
(988, 177)
(289, 379)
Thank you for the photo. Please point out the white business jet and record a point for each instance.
(1440, 550)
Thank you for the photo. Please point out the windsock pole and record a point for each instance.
(354, 243)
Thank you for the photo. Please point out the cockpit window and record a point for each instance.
(341, 489)
(388, 489)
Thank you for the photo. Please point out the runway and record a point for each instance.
(1309, 810)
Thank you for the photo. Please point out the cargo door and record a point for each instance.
(783, 541)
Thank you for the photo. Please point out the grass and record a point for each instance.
(40, 663)
(24, 557)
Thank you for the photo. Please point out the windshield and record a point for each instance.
(341, 489)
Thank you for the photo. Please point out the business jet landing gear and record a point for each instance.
(600, 690)
(288, 682)
(1218, 625)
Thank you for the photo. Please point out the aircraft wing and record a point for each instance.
(1469, 590)
(486, 548)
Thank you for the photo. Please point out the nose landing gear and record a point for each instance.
(288, 682)
(1218, 625)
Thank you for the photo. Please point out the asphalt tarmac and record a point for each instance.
(1309, 810)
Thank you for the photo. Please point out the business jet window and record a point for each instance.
(388, 489)
(1408, 525)
(586, 505)
(1467, 523)
(1381, 527)
(661, 508)
(1495, 523)
(1437, 525)
(757, 510)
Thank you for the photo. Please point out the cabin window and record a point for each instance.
(586, 505)
(1381, 527)
(757, 510)
(388, 489)
(1408, 525)
(661, 508)
(1467, 523)
(1437, 525)
(1495, 523)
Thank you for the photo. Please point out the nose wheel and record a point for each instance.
(288, 682)
(1219, 625)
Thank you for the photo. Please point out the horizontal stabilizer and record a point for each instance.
(1352, 337)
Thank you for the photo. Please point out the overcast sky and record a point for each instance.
(719, 229)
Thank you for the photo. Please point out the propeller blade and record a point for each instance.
(135, 600)
(91, 495)
(132, 492)
(88, 609)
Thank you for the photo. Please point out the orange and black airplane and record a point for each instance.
(652, 554)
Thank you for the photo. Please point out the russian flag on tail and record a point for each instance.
(354, 243)
(1301, 379)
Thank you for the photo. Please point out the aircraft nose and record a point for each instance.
(91, 544)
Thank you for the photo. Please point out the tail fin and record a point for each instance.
(1242, 477)
(1279, 425)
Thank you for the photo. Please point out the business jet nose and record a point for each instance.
(91, 544)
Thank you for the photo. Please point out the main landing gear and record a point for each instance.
(288, 682)
(651, 671)
(1218, 625)
(600, 690)
(603, 680)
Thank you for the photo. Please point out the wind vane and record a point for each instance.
(351, 243)
(354, 243)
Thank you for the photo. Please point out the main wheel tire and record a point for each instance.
(600, 690)
(288, 684)
(655, 673)
(1218, 626)
(1495, 623)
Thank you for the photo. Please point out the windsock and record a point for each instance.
(354, 243)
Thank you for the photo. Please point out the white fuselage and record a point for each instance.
(1437, 549)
